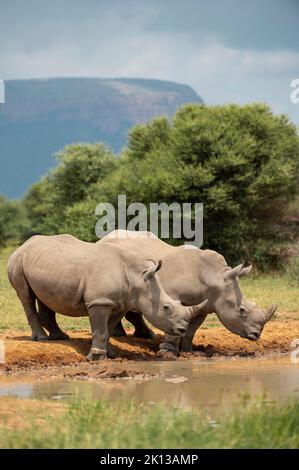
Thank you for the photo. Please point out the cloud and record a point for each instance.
(228, 54)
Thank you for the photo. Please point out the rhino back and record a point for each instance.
(68, 274)
(187, 274)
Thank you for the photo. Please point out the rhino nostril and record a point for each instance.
(254, 336)
(181, 330)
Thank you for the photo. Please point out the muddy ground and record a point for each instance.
(67, 358)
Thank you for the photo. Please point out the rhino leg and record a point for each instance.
(99, 318)
(141, 328)
(119, 330)
(186, 341)
(27, 298)
(48, 319)
(170, 346)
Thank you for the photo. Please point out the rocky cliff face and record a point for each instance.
(39, 117)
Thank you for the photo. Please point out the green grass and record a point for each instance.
(128, 425)
(264, 289)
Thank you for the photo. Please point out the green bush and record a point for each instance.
(80, 167)
(13, 221)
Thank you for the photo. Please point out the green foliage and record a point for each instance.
(292, 271)
(126, 424)
(80, 168)
(13, 221)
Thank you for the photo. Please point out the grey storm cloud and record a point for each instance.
(228, 50)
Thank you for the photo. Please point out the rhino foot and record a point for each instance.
(35, 337)
(165, 353)
(167, 350)
(58, 336)
(96, 354)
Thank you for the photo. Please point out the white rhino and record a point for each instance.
(76, 278)
(190, 275)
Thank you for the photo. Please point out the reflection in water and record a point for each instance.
(209, 384)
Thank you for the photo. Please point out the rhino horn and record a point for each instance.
(150, 272)
(240, 270)
(269, 314)
(196, 310)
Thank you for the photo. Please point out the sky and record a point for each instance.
(227, 50)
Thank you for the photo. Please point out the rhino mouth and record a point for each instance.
(253, 336)
(250, 336)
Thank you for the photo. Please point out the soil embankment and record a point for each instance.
(24, 355)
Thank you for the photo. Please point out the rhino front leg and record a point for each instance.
(99, 319)
(186, 341)
(170, 346)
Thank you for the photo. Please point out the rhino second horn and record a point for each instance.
(195, 310)
(270, 312)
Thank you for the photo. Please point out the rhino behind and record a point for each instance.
(190, 275)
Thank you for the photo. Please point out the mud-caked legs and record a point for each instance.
(99, 322)
(175, 344)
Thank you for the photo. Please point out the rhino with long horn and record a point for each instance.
(192, 275)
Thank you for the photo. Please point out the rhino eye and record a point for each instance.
(166, 307)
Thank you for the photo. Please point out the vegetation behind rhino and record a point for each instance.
(190, 275)
(76, 278)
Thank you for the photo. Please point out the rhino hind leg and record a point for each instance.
(119, 330)
(27, 298)
(141, 328)
(48, 320)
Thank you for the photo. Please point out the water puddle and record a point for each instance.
(191, 384)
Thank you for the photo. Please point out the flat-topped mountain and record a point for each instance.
(41, 116)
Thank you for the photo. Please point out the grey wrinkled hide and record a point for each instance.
(191, 275)
(75, 278)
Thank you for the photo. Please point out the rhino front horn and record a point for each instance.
(270, 312)
(196, 310)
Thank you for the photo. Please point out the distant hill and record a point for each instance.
(41, 116)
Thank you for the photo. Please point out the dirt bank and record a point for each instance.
(22, 354)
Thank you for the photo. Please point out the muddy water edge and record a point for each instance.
(215, 386)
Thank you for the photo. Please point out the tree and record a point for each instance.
(80, 167)
(13, 221)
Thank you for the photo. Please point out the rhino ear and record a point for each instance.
(238, 271)
(150, 272)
